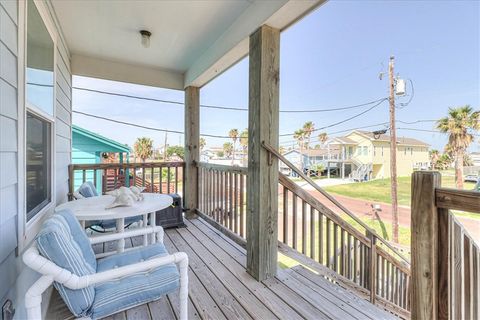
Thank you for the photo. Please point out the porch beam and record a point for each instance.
(263, 122)
(94, 67)
(192, 149)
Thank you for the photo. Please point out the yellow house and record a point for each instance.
(368, 157)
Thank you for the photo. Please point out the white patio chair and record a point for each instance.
(93, 288)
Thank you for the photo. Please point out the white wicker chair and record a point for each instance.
(51, 272)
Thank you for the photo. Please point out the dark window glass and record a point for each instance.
(38, 178)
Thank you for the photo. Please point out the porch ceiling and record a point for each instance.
(191, 42)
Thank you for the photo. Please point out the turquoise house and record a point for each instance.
(88, 147)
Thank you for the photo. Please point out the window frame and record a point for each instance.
(27, 230)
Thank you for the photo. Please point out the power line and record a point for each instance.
(142, 126)
(343, 121)
(330, 109)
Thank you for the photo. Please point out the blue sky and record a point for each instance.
(331, 58)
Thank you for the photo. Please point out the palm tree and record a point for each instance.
(244, 144)
(434, 156)
(299, 135)
(233, 134)
(323, 137)
(308, 128)
(227, 149)
(143, 148)
(459, 125)
(202, 143)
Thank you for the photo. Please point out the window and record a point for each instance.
(38, 164)
(39, 91)
(365, 151)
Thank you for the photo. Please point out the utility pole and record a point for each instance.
(393, 150)
(165, 147)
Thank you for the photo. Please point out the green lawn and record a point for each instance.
(379, 190)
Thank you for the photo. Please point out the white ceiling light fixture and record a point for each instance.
(145, 38)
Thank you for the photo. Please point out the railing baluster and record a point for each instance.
(335, 247)
(235, 203)
(161, 179)
(176, 179)
(242, 226)
(168, 180)
(349, 256)
(312, 232)
(230, 200)
(328, 243)
(321, 245)
(84, 176)
(355, 260)
(342, 252)
(152, 179)
(143, 176)
(304, 227)
(294, 221)
(285, 215)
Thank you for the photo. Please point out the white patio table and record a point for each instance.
(94, 208)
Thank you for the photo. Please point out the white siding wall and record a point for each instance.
(8, 145)
(14, 277)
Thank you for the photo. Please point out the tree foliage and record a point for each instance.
(143, 148)
(459, 124)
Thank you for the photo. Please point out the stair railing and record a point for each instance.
(372, 264)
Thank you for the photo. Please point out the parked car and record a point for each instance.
(471, 178)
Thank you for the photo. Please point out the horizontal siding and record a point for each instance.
(8, 133)
(8, 202)
(8, 100)
(8, 145)
(8, 31)
(8, 61)
(63, 114)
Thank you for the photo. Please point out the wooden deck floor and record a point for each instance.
(220, 288)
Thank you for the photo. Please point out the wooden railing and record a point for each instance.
(445, 258)
(363, 260)
(222, 195)
(157, 177)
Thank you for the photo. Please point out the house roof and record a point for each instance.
(385, 137)
(191, 41)
(117, 146)
(315, 152)
(343, 140)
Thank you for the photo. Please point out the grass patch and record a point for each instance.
(379, 190)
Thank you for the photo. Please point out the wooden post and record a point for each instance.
(192, 149)
(263, 122)
(372, 272)
(425, 245)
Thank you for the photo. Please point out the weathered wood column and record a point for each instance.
(425, 245)
(192, 149)
(263, 119)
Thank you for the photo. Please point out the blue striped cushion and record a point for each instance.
(125, 293)
(87, 189)
(62, 241)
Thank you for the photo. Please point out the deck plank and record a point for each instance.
(289, 297)
(161, 309)
(348, 297)
(263, 293)
(206, 307)
(229, 305)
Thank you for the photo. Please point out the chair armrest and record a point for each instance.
(127, 234)
(34, 260)
(179, 258)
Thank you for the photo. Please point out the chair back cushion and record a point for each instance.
(87, 190)
(62, 241)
